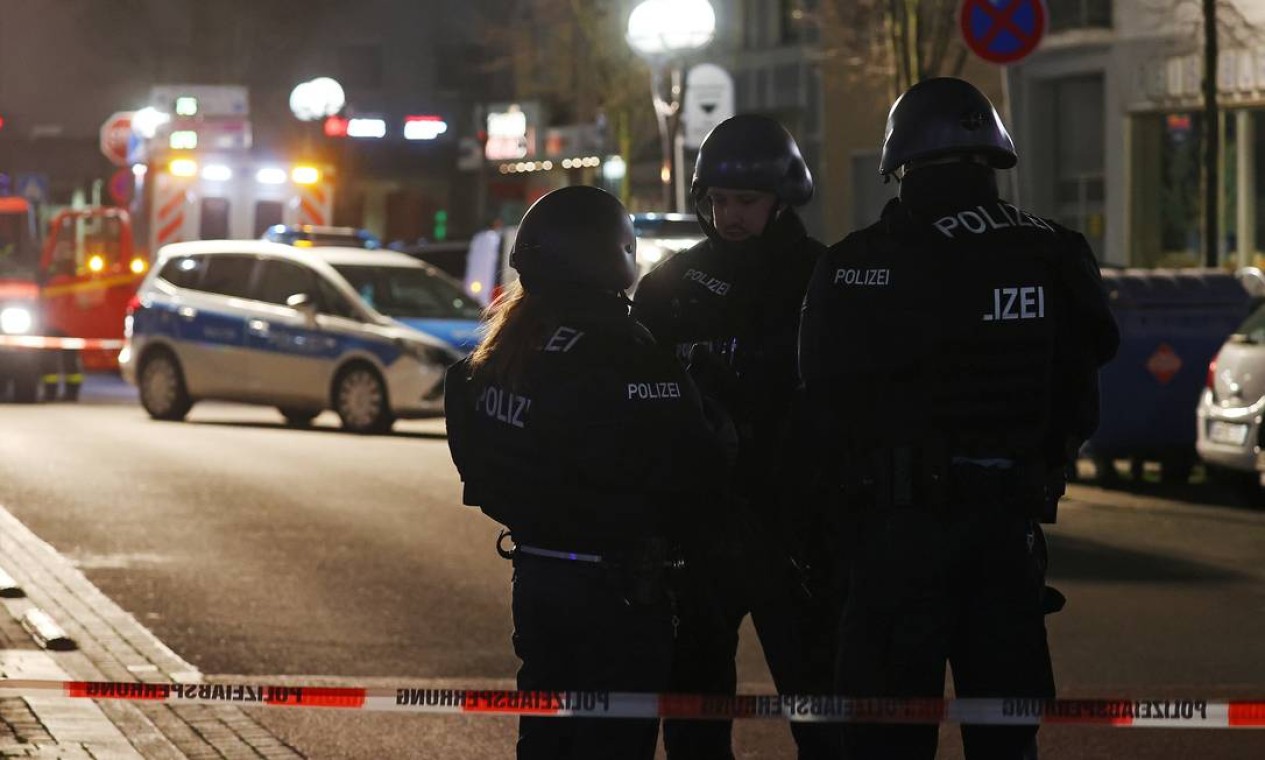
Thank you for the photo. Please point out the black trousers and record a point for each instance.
(961, 586)
(797, 635)
(574, 629)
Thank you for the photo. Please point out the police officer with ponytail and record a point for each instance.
(950, 353)
(572, 429)
(730, 307)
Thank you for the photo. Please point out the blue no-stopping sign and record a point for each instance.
(1002, 31)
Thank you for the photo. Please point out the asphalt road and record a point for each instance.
(316, 557)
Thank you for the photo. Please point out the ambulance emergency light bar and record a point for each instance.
(299, 174)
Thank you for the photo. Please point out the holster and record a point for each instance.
(642, 572)
(900, 477)
(924, 476)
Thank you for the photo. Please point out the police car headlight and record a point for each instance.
(16, 320)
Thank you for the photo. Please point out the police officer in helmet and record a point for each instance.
(730, 306)
(951, 350)
(572, 429)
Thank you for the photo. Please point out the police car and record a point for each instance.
(310, 235)
(368, 334)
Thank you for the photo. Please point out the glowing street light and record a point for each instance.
(661, 31)
(317, 99)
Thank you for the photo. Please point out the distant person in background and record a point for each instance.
(483, 263)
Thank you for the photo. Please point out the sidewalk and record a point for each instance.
(112, 646)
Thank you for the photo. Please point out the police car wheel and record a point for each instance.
(360, 398)
(162, 388)
(298, 417)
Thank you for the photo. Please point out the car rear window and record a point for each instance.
(1253, 328)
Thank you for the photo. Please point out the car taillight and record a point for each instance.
(132, 305)
(1212, 373)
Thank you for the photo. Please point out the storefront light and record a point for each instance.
(366, 128)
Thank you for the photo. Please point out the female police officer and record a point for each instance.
(574, 430)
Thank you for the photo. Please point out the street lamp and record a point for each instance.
(660, 31)
(317, 99)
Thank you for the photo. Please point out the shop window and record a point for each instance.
(1168, 191)
(1079, 190)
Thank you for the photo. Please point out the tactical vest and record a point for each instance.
(955, 338)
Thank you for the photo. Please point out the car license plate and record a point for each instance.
(1227, 432)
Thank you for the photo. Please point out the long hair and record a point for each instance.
(517, 325)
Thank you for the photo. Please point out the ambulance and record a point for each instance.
(183, 196)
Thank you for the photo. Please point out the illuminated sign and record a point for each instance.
(424, 127)
(507, 135)
(366, 127)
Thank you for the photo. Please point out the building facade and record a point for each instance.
(1113, 99)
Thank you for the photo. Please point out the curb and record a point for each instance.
(112, 646)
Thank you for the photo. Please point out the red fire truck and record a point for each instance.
(62, 306)
(20, 368)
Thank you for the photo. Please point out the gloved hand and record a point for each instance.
(713, 376)
(722, 426)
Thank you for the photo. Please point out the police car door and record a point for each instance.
(291, 357)
(211, 326)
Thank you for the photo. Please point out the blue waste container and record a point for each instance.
(1172, 323)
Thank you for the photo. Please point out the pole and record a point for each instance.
(1212, 138)
(678, 140)
(1008, 116)
(662, 110)
(1246, 212)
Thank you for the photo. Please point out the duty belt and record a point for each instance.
(566, 556)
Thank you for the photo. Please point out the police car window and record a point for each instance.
(183, 272)
(228, 275)
(409, 292)
(331, 301)
(278, 280)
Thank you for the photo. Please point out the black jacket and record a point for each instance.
(603, 445)
(957, 320)
(744, 303)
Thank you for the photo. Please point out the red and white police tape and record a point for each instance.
(1136, 713)
(71, 344)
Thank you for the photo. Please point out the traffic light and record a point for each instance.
(441, 225)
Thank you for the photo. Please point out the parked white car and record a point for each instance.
(1228, 436)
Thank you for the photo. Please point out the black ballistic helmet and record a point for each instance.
(750, 152)
(576, 238)
(944, 116)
